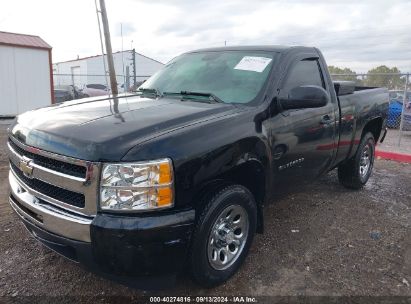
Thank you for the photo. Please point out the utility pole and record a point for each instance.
(113, 80)
(127, 83)
(134, 66)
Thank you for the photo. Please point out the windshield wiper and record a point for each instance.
(153, 91)
(211, 96)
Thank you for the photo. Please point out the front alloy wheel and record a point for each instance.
(223, 234)
(228, 237)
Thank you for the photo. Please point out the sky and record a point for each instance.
(355, 34)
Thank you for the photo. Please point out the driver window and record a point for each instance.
(304, 72)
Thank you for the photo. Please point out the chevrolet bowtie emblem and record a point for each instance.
(25, 166)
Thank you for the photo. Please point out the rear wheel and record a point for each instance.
(223, 235)
(355, 173)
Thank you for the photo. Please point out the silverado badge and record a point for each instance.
(25, 167)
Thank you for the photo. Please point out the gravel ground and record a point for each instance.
(320, 240)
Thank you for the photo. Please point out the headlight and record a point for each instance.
(137, 186)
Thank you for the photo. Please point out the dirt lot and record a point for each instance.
(320, 240)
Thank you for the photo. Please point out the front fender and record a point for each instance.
(205, 152)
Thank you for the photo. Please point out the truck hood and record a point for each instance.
(104, 130)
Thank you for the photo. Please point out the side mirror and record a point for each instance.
(305, 97)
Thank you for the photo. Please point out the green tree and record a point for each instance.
(389, 81)
(336, 71)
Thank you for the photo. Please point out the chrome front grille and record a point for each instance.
(50, 163)
(67, 183)
(63, 195)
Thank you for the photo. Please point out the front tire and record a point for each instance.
(355, 173)
(223, 235)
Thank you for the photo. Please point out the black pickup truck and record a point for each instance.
(178, 174)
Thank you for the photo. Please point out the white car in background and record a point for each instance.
(90, 90)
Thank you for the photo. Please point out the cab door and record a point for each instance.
(302, 140)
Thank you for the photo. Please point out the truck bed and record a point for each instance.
(357, 107)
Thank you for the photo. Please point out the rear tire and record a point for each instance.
(223, 235)
(355, 173)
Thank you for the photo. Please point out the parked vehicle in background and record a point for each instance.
(145, 185)
(393, 94)
(67, 88)
(77, 92)
(91, 90)
(406, 125)
(61, 95)
(395, 110)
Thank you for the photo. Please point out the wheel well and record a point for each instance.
(250, 175)
(374, 126)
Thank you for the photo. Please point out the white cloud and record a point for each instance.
(359, 35)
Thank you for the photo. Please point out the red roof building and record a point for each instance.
(20, 40)
(26, 74)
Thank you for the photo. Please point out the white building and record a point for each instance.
(26, 80)
(90, 70)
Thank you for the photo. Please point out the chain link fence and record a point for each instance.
(399, 112)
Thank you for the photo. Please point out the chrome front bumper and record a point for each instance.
(87, 186)
(45, 196)
(46, 215)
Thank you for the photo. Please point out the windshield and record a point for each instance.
(231, 76)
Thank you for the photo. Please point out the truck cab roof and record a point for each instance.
(266, 48)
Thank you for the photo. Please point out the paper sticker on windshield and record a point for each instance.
(255, 64)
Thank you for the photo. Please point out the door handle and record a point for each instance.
(326, 120)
